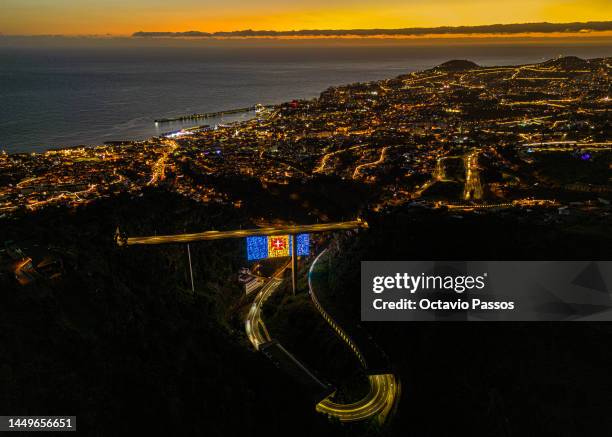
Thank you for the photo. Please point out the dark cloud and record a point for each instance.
(503, 29)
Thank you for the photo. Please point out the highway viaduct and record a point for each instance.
(292, 230)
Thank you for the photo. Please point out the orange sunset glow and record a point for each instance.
(98, 17)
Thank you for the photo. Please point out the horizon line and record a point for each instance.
(498, 29)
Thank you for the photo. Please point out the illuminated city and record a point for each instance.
(423, 137)
(206, 280)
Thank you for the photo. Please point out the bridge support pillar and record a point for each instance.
(294, 259)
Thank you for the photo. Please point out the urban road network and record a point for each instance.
(410, 140)
(384, 388)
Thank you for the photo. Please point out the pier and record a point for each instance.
(211, 114)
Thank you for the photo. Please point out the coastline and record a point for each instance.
(142, 127)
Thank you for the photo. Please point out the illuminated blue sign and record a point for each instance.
(303, 245)
(258, 247)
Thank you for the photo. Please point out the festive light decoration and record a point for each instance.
(277, 246)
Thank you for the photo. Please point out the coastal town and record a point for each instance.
(311, 218)
(218, 265)
(457, 136)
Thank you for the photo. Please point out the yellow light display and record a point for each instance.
(278, 246)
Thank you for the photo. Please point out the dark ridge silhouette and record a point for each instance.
(567, 62)
(593, 26)
(457, 65)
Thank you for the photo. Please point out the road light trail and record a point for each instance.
(380, 160)
(384, 389)
(440, 171)
(255, 328)
(515, 203)
(218, 235)
(158, 171)
(567, 146)
(473, 187)
(337, 328)
(438, 175)
(329, 155)
(535, 120)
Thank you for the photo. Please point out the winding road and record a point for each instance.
(384, 388)
(255, 327)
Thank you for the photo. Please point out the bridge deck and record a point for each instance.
(218, 235)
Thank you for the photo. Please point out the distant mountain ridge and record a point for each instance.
(567, 62)
(458, 65)
(562, 62)
(544, 27)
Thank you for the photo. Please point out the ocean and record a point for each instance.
(55, 96)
